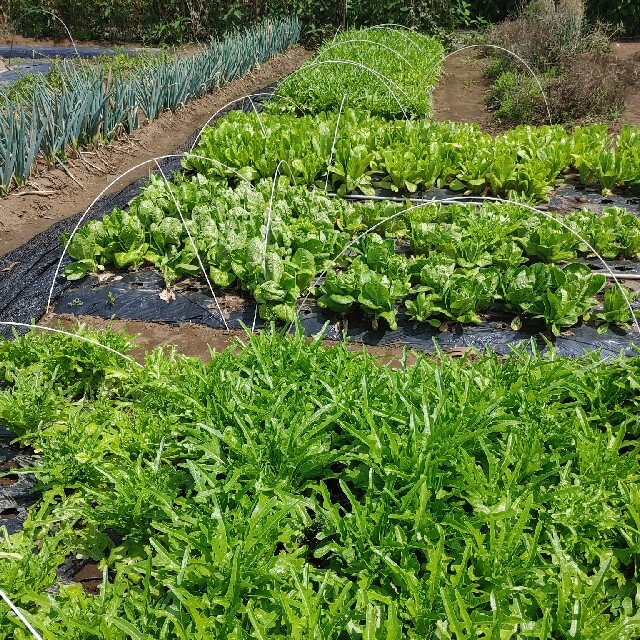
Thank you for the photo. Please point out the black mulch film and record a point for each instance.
(27, 272)
(38, 52)
(16, 487)
(23, 59)
(136, 296)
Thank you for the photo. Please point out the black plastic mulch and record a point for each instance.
(26, 273)
(572, 196)
(9, 77)
(37, 51)
(16, 487)
(136, 296)
(40, 58)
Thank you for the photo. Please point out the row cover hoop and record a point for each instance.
(357, 239)
(474, 200)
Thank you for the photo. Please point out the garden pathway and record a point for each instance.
(630, 51)
(460, 94)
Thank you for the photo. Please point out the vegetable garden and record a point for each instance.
(291, 490)
(91, 103)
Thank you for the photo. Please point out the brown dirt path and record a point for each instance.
(460, 93)
(54, 194)
(629, 51)
(189, 339)
(197, 341)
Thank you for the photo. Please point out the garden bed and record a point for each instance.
(87, 104)
(143, 295)
(284, 489)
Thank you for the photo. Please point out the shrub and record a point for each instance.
(592, 85)
(581, 80)
(544, 34)
(587, 86)
(515, 97)
(622, 13)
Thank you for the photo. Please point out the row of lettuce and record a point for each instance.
(386, 71)
(360, 152)
(91, 103)
(262, 206)
(439, 262)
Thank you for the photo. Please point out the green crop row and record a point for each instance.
(384, 71)
(295, 491)
(460, 258)
(91, 103)
(358, 152)
(435, 290)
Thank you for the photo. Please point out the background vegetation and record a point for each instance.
(179, 20)
(622, 13)
(175, 21)
(572, 58)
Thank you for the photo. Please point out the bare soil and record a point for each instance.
(198, 341)
(460, 93)
(626, 50)
(56, 194)
(630, 51)
(189, 339)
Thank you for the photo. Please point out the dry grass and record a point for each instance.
(545, 33)
(582, 79)
(592, 85)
